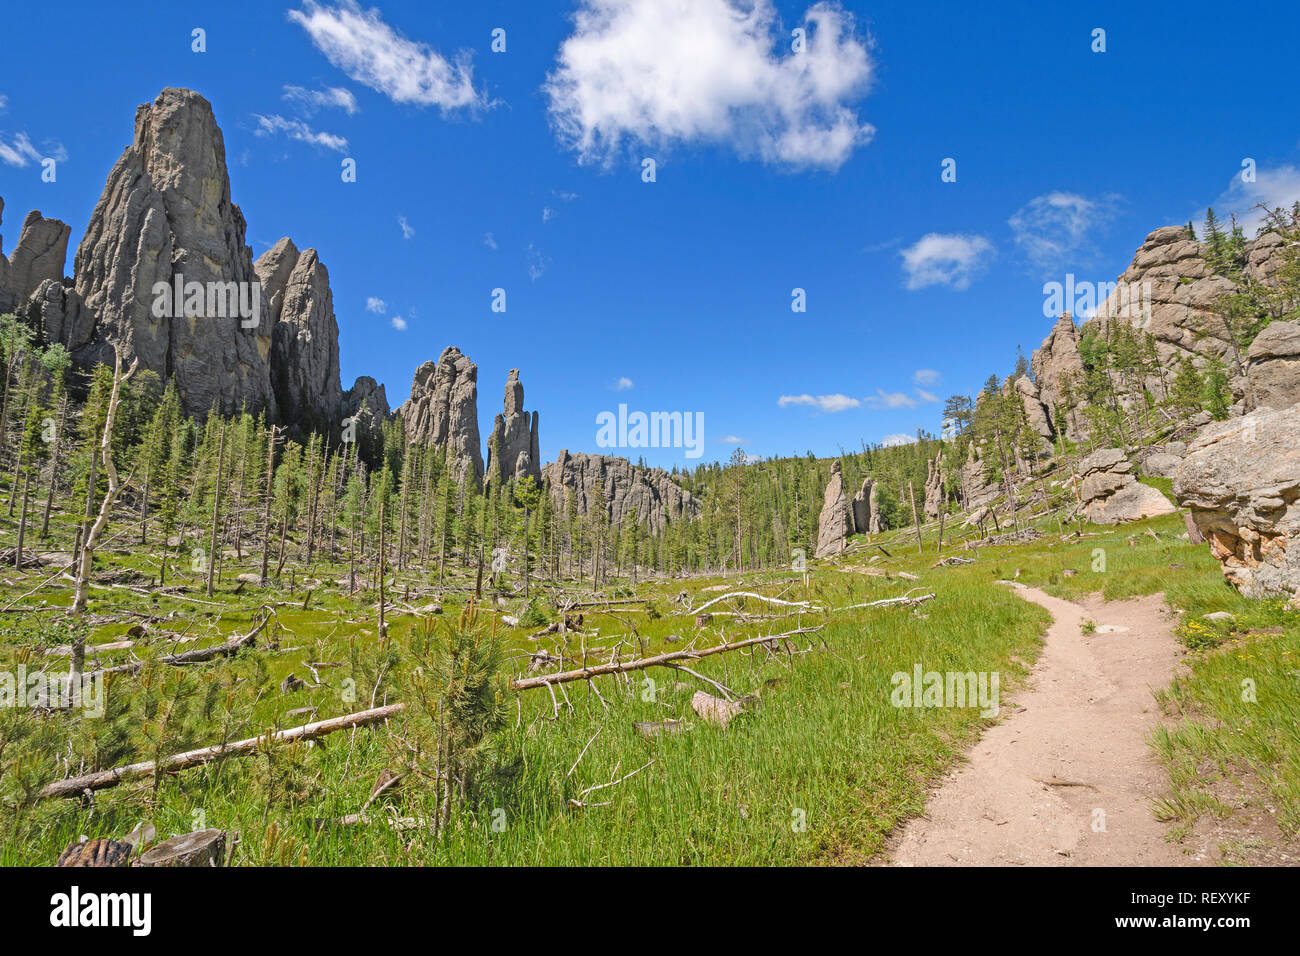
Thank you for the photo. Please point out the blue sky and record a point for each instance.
(821, 170)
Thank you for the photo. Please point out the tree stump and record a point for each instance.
(201, 848)
(703, 619)
(97, 853)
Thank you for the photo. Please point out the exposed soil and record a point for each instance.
(1067, 778)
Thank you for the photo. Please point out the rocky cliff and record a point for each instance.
(39, 256)
(163, 271)
(443, 410)
(513, 447)
(650, 494)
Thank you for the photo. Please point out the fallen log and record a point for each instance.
(904, 600)
(227, 649)
(758, 597)
(620, 667)
(75, 786)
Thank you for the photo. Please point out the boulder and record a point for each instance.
(833, 523)
(1241, 481)
(1111, 494)
(934, 487)
(1273, 365)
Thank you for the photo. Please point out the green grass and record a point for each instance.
(821, 773)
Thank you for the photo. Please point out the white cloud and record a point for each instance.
(660, 72)
(547, 214)
(407, 229)
(490, 241)
(19, 151)
(371, 52)
(925, 396)
(893, 441)
(376, 305)
(399, 323)
(4, 102)
(951, 260)
(926, 376)
(827, 403)
(884, 399)
(1055, 230)
(297, 129)
(623, 384)
(332, 97)
(731, 440)
(537, 262)
(1273, 187)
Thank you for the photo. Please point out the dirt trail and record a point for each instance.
(1074, 743)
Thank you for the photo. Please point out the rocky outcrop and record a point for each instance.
(1110, 494)
(1163, 460)
(304, 359)
(166, 212)
(976, 489)
(513, 446)
(1035, 411)
(866, 509)
(39, 256)
(442, 411)
(366, 391)
(833, 524)
(650, 495)
(1056, 363)
(1241, 481)
(1273, 365)
(56, 309)
(934, 487)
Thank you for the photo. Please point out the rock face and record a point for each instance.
(39, 256)
(1273, 365)
(649, 494)
(1111, 494)
(166, 211)
(262, 337)
(443, 411)
(975, 489)
(1163, 460)
(934, 487)
(833, 525)
(1241, 480)
(1056, 362)
(866, 509)
(1035, 410)
(513, 449)
(304, 360)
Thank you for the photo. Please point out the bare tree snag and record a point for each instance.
(110, 496)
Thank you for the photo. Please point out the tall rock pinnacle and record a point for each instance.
(513, 449)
